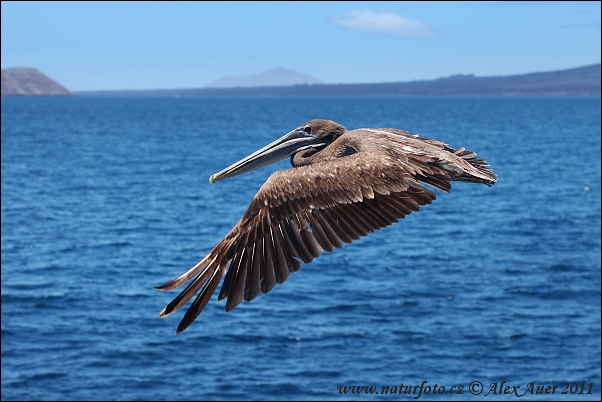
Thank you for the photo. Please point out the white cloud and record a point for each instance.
(381, 22)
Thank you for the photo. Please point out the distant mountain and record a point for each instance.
(574, 81)
(29, 81)
(276, 77)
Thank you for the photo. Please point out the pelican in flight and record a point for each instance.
(343, 185)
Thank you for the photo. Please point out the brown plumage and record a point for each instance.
(343, 185)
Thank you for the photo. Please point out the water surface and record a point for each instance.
(104, 198)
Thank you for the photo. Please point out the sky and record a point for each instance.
(163, 45)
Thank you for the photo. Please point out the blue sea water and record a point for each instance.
(104, 198)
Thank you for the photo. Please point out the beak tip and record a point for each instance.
(211, 180)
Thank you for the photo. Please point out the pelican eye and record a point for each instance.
(307, 129)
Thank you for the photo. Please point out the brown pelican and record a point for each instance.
(343, 185)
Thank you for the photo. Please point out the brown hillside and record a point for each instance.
(28, 81)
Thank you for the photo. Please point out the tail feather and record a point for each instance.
(480, 172)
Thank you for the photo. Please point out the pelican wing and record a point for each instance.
(300, 212)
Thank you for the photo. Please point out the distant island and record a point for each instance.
(276, 77)
(575, 81)
(27, 81)
(585, 80)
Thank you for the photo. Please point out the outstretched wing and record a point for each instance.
(299, 212)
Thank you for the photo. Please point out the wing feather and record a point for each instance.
(284, 261)
(318, 232)
(338, 224)
(269, 277)
(255, 277)
(294, 236)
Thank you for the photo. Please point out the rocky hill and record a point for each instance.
(26, 81)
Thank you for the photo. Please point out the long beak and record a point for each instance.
(293, 142)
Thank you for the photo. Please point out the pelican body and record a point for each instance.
(343, 185)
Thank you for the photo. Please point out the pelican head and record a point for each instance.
(310, 137)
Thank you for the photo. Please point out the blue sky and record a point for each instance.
(140, 45)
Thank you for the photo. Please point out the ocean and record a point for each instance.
(489, 293)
